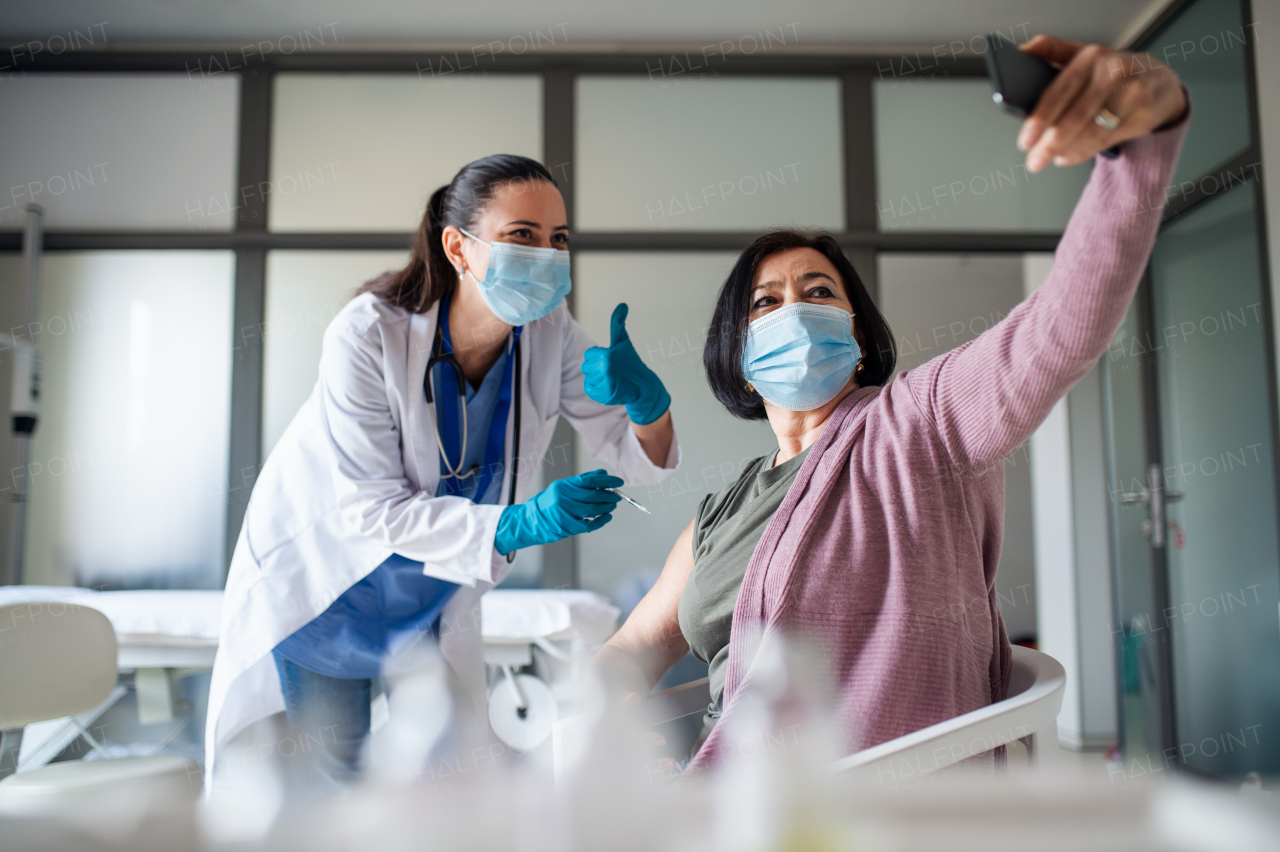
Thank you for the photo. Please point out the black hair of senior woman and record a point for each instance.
(736, 307)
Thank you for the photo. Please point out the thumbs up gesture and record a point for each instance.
(617, 376)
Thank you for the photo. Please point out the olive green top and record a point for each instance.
(726, 530)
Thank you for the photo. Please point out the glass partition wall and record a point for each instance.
(308, 174)
(124, 484)
(277, 190)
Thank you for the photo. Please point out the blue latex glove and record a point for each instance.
(558, 511)
(617, 376)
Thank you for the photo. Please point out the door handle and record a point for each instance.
(1143, 496)
(1154, 497)
(1155, 477)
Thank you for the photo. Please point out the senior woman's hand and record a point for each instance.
(1097, 86)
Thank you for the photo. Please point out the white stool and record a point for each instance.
(60, 661)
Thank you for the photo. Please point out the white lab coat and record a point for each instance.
(353, 480)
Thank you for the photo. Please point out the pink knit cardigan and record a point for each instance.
(884, 551)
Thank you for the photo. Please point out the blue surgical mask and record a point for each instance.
(800, 356)
(523, 284)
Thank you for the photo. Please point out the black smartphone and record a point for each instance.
(1017, 78)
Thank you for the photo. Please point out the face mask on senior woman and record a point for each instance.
(800, 356)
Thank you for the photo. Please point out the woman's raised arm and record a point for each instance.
(987, 397)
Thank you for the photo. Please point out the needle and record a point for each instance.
(629, 500)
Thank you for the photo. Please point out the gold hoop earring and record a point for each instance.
(859, 370)
(751, 387)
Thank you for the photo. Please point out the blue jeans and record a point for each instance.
(329, 720)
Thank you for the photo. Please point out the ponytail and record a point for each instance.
(429, 276)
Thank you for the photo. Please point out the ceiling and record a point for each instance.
(798, 24)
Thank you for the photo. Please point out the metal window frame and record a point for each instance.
(251, 240)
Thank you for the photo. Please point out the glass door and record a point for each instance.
(1222, 550)
(1192, 473)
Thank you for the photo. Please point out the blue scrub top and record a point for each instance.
(396, 603)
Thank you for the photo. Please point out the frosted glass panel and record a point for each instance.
(129, 461)
(671, 296)
(946, 160)
(934, 303)
(1205, 47)
(363, 152)
(305, 291)
(120, 151)
(711, 155)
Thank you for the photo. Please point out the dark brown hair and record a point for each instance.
(428, 275)
(722, 355)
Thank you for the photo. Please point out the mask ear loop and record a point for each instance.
(467, 270)
(852, 315)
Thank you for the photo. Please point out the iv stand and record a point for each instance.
(32, 248)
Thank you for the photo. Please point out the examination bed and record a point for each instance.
(164, 635)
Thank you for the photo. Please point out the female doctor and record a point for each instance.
(394, 499)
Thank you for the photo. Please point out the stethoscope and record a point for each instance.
(439, 356)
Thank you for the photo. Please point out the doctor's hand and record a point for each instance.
(617, 376)
(566, 507)
(1100, 98)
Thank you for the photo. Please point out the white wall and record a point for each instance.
(1095, 611)
(1072, 559)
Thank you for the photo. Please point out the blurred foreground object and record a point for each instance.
(433, 781)
(1028, 715)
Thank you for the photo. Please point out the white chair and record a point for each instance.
(59, 659)
(1029, 714)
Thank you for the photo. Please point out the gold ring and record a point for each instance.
(1106, 119)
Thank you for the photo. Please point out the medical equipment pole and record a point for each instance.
(24, 420)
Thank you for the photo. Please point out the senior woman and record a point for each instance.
(875, 527)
